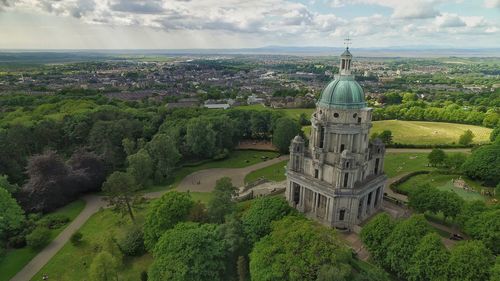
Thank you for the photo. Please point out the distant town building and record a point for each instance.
(338, 179)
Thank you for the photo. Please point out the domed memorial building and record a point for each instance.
(338, 179)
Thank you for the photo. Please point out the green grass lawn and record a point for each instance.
(396, 164)
(237, 159)
(275, 172)
(73, 262)
(420, 132)
(15, 259)
(443, 182)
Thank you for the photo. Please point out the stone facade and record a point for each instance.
(338, 178)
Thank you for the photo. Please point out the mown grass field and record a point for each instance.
(15, 259)
(425, 133)
(444, 182)
(420, 132)
(396, 164)
(275, 172)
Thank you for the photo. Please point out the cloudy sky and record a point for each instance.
(175, 24)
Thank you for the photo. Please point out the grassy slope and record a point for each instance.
(396, 164)
(275, 172)
(15, 259)
(72, 263)
(419, 132)
(443, 182)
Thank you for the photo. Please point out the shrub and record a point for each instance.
(17, 241)
(144, 276)
(132, 243)
(53, 221)
(76, 238)
(39, 238)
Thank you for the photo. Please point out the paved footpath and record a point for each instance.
(95, 202)
(207, 180)
(204, 180)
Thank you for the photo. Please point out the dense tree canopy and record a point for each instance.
(429, 262)
(189, 252)
(164, 214)
(483, 164)
(374, 234)
(222, 202)
(12, 216)
(469, 261)
(403, 242)
(285, 130)
(296, 250)
(257, 219)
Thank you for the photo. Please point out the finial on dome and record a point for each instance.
(347, 42)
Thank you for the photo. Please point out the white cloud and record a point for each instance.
(269, 21)
(449, 20)
(492, 3)
(415, 9)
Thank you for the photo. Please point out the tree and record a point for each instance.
(104, 267)
(374, 234)
(483, 164)
(165, 156)
(164, 213)
(469, 261)
(132, 242)
(495, 133)
(304, 120)
(222, 202)
(233, 236)
(485, 226)
(87, 169)
(436, 157)
(120, 189)
(466, 138)
(454, 161)
(140, 166)
(429, 261)
(38, 238)
(449, 203)
(423, 197)
(285, 130)
(257, 219)
(4, 182)
(200, 137)
(403, 241)
(49, 185)
(385, 137)
(12, 216)
(189, 252)
(495, 270)
(409, 97)
(298, 249)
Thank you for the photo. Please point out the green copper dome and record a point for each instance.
(344, 93)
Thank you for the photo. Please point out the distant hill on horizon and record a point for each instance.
(56, 56)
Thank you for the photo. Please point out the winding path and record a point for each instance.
(204, 180)
(207, 179)
(95, 202)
